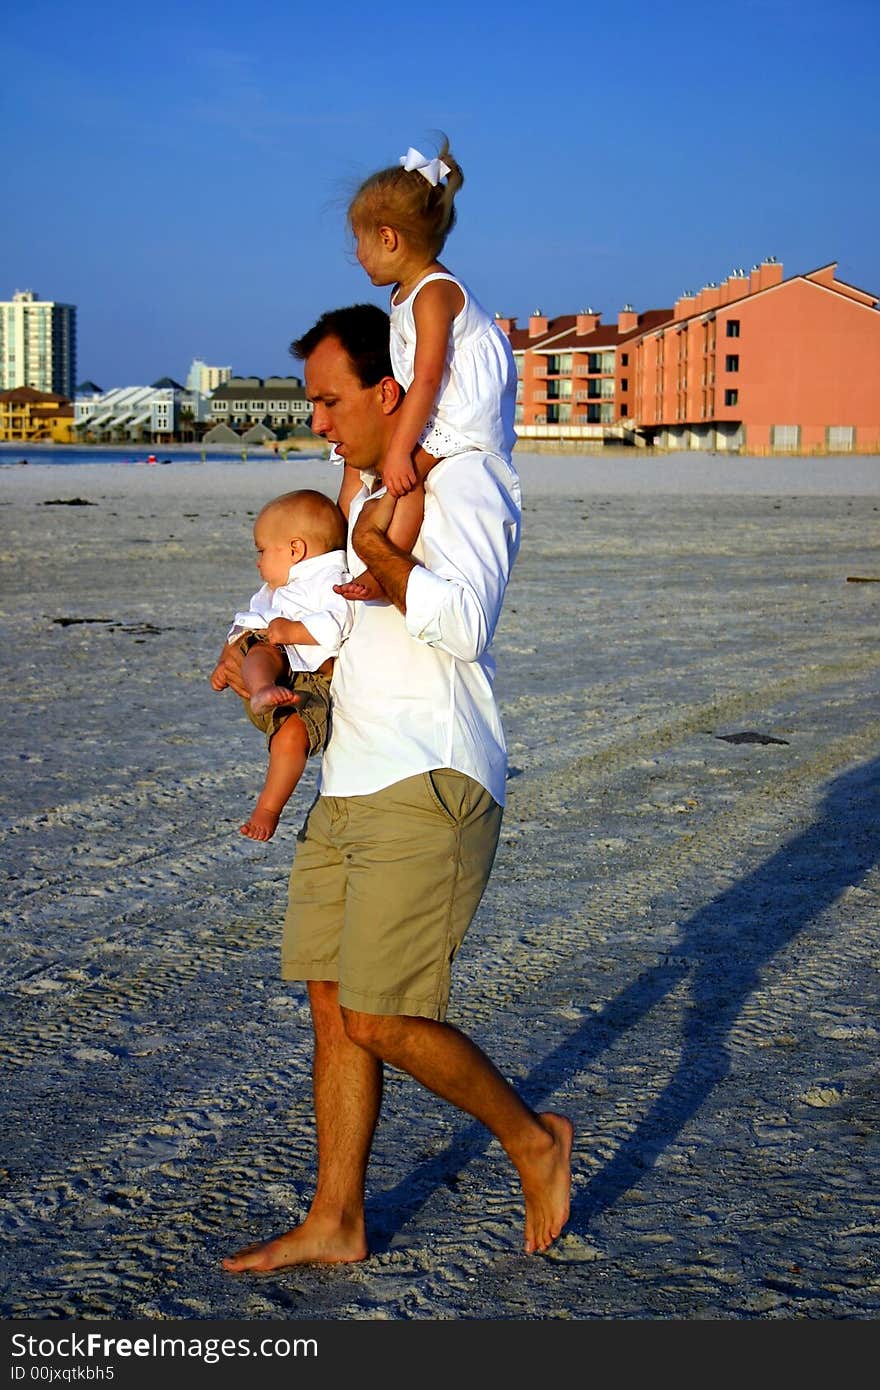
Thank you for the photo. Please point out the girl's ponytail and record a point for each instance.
(420, 205)
(454, 181)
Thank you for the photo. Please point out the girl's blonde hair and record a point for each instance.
(405, 200)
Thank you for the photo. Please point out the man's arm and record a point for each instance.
(469, 540)
(388, 564)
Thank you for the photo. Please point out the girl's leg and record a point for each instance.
(403, 528)
(288, 752)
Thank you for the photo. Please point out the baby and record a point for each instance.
(289, 636)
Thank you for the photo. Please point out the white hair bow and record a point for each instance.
(432, 169)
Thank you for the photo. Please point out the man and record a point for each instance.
(394, 856)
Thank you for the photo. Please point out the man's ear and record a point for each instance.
(390, 394)
(389, 238)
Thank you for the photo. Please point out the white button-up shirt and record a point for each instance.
(308, 598)
(413, 693)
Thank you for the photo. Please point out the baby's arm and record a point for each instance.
(434, 310)
(289, 632)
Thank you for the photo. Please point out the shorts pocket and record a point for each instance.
(452, 792)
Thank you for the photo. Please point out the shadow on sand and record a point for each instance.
(722, 949)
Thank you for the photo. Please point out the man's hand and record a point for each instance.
(375, 516)
(227, 672)
(389, 565)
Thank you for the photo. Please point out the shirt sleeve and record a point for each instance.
(329, 621)
(470, 539)
(257, 617)
(331, 625)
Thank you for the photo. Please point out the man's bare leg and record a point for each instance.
(348, 1094)
(453, 1067)
(288, 752)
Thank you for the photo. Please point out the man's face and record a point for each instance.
(352, 417)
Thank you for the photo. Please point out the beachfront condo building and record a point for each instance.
(37, 344)
(130, 413)
(755, 362)
(278, 402)
(31, 415)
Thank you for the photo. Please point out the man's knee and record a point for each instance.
(373, 1032)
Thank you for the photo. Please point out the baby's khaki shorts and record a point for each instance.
(313, 707)
(384, 887)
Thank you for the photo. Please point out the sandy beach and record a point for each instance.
(678, 946)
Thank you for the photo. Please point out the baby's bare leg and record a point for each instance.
(261, 670)
(288, 753)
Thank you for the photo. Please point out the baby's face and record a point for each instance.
(274, 554)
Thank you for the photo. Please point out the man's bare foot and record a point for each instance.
(262, 824)
(271, 695)
(314, 1242)
(546, 1183)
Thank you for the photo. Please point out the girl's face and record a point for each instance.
(376, 256)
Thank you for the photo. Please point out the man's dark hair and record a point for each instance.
(363, 330)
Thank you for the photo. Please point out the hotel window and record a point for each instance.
(733, 328)
(731, 397)
(785, 436)
(841, 438)
(624, 359)
(731, 362)
(624, 383)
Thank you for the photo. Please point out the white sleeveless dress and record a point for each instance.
(477, 398)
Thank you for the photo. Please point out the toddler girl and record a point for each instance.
(449, 354)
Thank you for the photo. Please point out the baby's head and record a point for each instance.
(422, 212)
(293, 527)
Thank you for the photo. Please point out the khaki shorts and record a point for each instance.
(313, 709)
(384, 887)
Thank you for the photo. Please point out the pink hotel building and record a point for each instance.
(756, 363)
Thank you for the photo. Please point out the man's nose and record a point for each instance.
(320, 420)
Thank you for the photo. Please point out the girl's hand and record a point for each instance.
(398, 472)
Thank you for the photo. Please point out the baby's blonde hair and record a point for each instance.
(405, 200)
(310, 514)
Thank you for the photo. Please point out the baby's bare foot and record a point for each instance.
(271, 695)
(262, 824)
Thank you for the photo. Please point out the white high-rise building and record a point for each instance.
(205, 379)
(201, 382)
(37, 344)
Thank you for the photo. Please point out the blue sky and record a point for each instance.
(179, 171)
